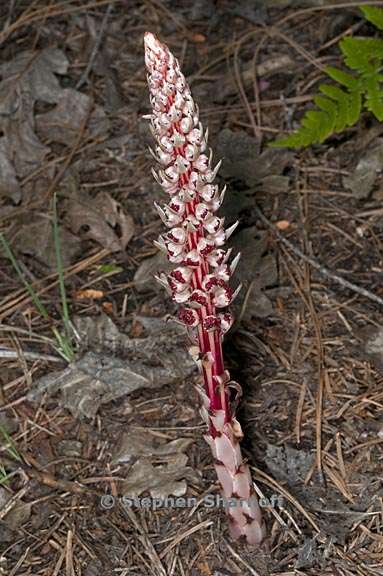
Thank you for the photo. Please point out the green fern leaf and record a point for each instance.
(298, 139)
(339, 105)
(329, 119)
(316, 126)
(354, 107)
(374, 98)
(362, 54)
(342, 77)
(340, 97)
(325, 104)
(291, 141)
(373, 15)
(349, 105)
(316, 122)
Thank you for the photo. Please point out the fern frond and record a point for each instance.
(342, 77)
(331, 110)
(354, 107)
(337, 109)
(374, 97)
(362, 54)
(349, 105)
(340, 105)
(373, 15)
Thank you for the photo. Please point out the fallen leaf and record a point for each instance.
(361, 181)
(242, 160)
(256, 271)
(272, 65)
(136, 443)
(70, 448)
(307, 555)
(288, 463)
(144, 277)
(371, 339)
(274, 183)
(95, 379)
(30, 76)
(35, 238)
(101, 219)
(160, 481)
(115, 365)
(9, 185)
(73, 108)
(7, 423)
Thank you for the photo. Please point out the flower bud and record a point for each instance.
(211, 323)
(222, 296)
(189, 317)
(177, 235)
(226, 321)
(202, 211)
(198, 298)
(192, 258)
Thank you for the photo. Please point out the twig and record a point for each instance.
(12, 502)
(243, 93)
(10, 13)
(27, 18)
(8, 353)
(96, 48)
(340, 6)
(241, 559)
(32, 469)
(12, 303)
(321, 269)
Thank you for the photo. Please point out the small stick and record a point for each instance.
(9, 353)
(321, 269)
(96, 47)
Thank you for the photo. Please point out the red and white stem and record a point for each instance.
(200, 279)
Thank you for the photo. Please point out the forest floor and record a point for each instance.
(97, 394)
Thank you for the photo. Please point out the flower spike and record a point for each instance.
(200, 280)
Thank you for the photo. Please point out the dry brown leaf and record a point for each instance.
(140, 442)
(35, 238)
(30, 76)
(144, 276)
(115, 365)
(62, 124)
(160, 481)
(101, 219)
(362, 179)
(256, 272)
(243, 161)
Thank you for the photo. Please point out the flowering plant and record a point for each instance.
(199, 281)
